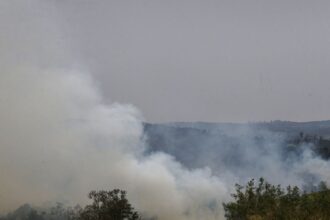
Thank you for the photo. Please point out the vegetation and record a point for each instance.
(108, 205)
(57, 212)
(255, 201)
(263, 201)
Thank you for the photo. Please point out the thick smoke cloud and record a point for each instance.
(59, 140)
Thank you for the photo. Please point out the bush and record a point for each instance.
(108, 205)
(265, 201)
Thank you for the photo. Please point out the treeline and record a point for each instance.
(320, 145)
(57, 212)
(264, 201)
(255, 201)
(106, 205)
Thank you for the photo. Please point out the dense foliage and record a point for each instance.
(108, 205)
(263, 201)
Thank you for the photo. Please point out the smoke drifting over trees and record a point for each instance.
(59, 139)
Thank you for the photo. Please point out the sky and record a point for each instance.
(188, 60)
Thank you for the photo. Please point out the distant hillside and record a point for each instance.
(200, 144)
(321, 128)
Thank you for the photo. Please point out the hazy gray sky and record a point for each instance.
(187, 60)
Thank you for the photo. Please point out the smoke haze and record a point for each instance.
(59, 139)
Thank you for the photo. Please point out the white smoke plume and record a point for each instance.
(59, 140)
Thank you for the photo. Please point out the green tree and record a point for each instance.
(264, 201)
(108, 205)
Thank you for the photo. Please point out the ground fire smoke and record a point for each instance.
(59, 139)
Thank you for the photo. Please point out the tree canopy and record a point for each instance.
(263, 201)
(108, 205)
